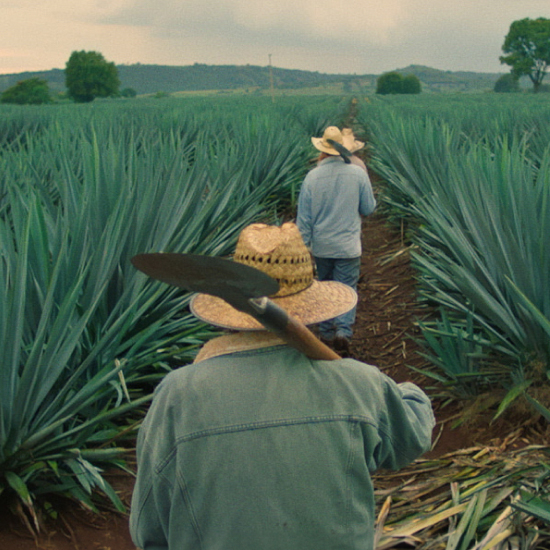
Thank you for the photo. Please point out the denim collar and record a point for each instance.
(239, 341)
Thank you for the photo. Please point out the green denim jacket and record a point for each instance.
(269, 450)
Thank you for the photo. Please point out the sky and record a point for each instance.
(329, 36)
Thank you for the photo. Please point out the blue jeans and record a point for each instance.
(343, 270)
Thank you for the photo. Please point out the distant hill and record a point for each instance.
(55, 78)
(434, 80)
(149, 79)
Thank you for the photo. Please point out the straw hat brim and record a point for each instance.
(321, 301)
(354, 146)
(320, 146)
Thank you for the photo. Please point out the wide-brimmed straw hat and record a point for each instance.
(281, 253)
(350, 142)
(322, 144)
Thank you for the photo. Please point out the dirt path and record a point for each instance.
(384, 333)
(386, 327)
(384, 336)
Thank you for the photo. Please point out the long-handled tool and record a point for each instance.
(243, 287)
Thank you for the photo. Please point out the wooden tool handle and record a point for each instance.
(300, 337)
(292, 331)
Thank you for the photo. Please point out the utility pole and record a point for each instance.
(271, 80)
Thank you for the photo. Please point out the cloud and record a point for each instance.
(310, 18)
(361, 36)
(373, 36)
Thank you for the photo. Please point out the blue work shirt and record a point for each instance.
(266, 449)
(333, 197)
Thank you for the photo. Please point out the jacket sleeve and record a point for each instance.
(147, 527)
(367, 201)
(405, 427)
(160, 512)
(304, 219)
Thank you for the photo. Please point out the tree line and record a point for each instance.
(88, 75)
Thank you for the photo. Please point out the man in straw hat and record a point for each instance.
(256, 446)
(333, 197)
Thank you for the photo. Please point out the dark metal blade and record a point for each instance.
(231, 281)
(344, 153)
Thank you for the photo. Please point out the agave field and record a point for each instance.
(468, 180)
(83, 335)
(85, 338)
(471, 179)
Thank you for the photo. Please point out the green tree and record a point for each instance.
(396, 83)
(33, 91)
(411, 85)
(88, 75)
(527, 46)
(389, 83)
(507, 83)
(128, 92)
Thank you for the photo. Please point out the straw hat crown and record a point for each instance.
(322, 144)
(278, 251)
(281, 253)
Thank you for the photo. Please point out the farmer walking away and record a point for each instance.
(256, 446)
(333, 197)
